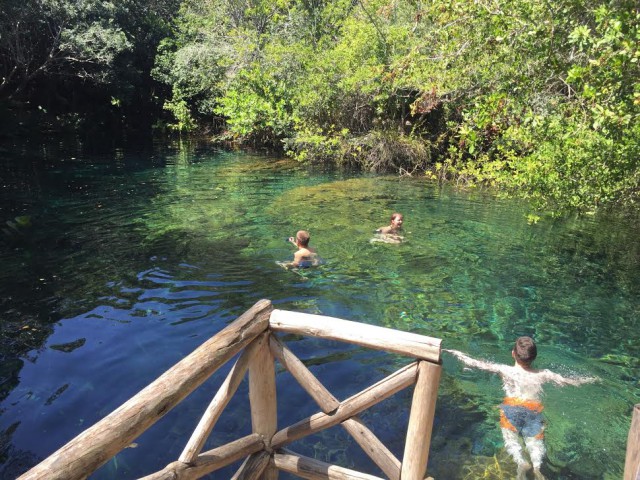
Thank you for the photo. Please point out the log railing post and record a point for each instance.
(262, 397)
(632, 463)
(423, 405)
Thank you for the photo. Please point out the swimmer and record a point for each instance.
(305, 256)
(394, 227)
(521, 410)
(391, 232)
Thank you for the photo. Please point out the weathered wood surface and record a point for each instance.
(350, 407)
(423, 406)
(373, 447)
(211, 460)
(311, 469)
(253, 466)
(307, 380)
(377, 451)
(632, 462)
(262, 398)
(92, 448)
(220, 401)
(371, 336)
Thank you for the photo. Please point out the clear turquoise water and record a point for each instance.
(131, 261)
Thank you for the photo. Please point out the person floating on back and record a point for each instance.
(390, 233)
(304, 257)
(521, 410)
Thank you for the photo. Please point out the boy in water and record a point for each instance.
(521, 410)
(305, 256)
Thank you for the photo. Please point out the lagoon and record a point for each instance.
(115, 266)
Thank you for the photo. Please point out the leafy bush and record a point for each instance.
(535, 99)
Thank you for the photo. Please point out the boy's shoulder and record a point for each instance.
(537, 375)
(304, 252)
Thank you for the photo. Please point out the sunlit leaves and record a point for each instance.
(537, 99)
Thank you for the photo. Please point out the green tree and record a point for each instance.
(48, 37)
(81, 64)
(533, 98)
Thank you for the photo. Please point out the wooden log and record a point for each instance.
(220, 401)
(253, 466)
(262, 398)
(211, 460)
(327, 402)
(371, 336)
(372, 446)
(262, 393)
(92, 448)
(350, 407)
(311, 469)
(423, 406)
(632, 461)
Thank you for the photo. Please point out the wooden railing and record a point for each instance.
(632, 463)
(264, 449)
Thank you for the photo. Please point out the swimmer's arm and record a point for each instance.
(558, 379)
(479, 364)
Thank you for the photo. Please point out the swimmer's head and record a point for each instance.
(525, 351)
(303, 237)
(396, 220)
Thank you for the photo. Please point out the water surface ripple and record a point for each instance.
(119, 266)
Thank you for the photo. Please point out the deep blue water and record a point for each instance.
(115, 267)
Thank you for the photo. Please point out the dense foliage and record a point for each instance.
(536, 98)
(80, 61)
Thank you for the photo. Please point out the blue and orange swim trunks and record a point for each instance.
(522, 416)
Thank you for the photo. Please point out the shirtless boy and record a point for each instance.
(305, 256)
(521, 410)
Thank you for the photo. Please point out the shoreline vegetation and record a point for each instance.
(535, 100)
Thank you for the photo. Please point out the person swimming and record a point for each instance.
(521, 409)
(305, 256)
(394, 227)
(390, 233)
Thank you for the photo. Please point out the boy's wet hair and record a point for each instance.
(303, 237)
(395, 215)
(525, 350)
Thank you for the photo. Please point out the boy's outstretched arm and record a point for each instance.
(573, 381)
(472, 362)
